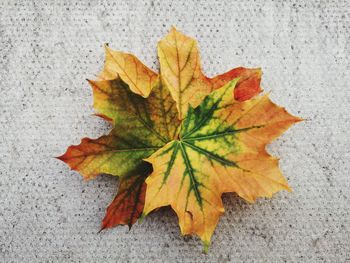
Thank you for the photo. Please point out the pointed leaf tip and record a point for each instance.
(59, 157)
(206, 245)
(131, 70)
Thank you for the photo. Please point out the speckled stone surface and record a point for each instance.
(48, 48)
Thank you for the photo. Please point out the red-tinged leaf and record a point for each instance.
(248, 84)
(112, 154)
(128, 204)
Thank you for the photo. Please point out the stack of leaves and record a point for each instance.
(179, 138)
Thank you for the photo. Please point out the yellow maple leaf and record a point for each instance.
(221, 148)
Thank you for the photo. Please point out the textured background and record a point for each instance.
(47, 49)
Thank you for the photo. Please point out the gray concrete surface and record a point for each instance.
(47, 49)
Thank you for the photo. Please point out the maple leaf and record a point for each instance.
(127, 206)
(140, 127)
(221, 148)
(181, 73)
(180, 138)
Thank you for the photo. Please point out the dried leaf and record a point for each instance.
(128, 204)
(220, 149)
(203, 137)
(181, 73)
(132, 71)
(140, 127)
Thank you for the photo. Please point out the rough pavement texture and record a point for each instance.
(47, 49)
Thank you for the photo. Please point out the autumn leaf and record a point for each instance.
(181, 73)
(220, 149)
(128, 204)
(248, 83)
(140, 127)
(180, 138)
(132, 71)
